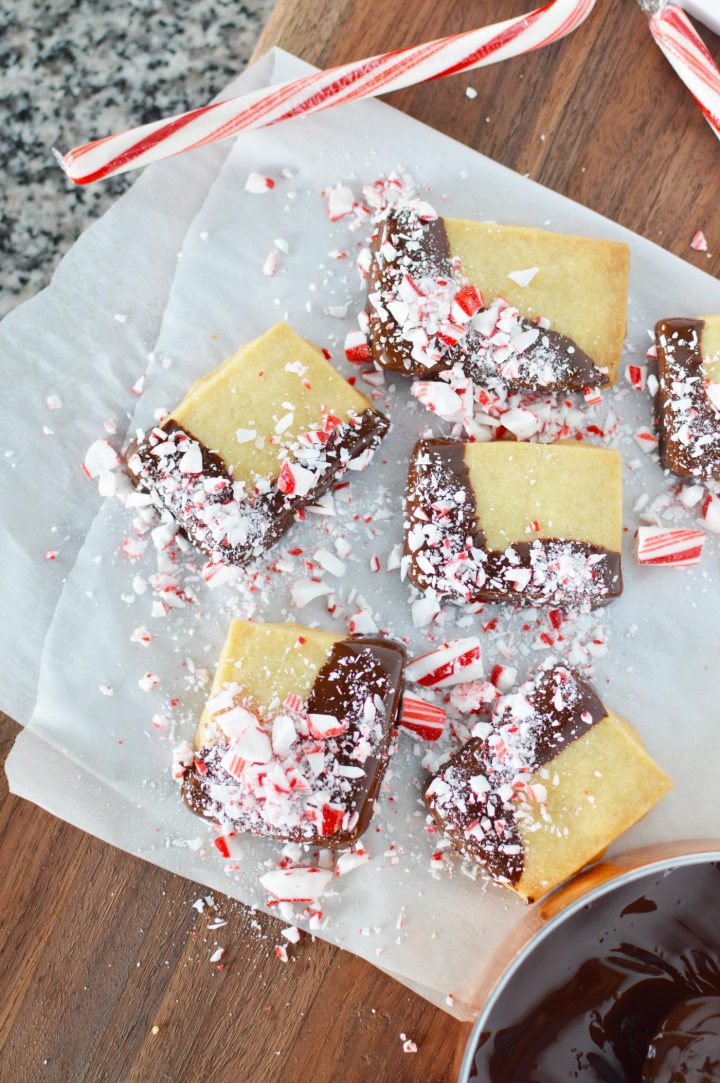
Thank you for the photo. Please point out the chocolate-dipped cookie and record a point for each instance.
(534, 309)
(536, 524)
(261, 436)
(296, 734)
(688, 397)
(557, 777)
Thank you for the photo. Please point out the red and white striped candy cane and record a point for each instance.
(686, 51)
(660, 545)
(324, 89)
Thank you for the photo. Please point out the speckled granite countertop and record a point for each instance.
(74, 70)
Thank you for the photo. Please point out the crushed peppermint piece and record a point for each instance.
(456, 662)
(357, 348)
(270, 266)
(257, 184)
(100, 458)
(523, 278)
(422, 719)
(339, 202)
(646, 439)
(297, 885)
(710, 511)
(678, 548)
(636, 376)
(351, 860)
(148, 682)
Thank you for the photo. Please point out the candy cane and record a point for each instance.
(323, 89)
(686, 51)
(658, 545)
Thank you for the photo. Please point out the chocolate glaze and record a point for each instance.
(500, 849)
(442, 463)
(500, 853)
(431, 256)
(680, 361)
(686, 1048)
(639, 964)
(356, 668)
(274, 510)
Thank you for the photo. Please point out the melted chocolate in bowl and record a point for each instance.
(625, 990)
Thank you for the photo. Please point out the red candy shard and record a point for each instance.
(469, 299)
(357, 349)
(332, 819)
(425, 720)
(636, 376)
(286, 479)
(221, 844)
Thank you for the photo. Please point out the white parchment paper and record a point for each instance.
(97, 760)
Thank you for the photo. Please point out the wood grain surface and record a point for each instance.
(99, 948)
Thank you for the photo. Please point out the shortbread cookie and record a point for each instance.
(533, 309)
(688, 398)
(296, 734)
(557, 778)
(265, 433)
(536, 524)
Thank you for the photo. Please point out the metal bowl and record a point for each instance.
(546, 916)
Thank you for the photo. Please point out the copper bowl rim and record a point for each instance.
(624, 870)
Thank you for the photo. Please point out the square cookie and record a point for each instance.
(533, 309)
(261, 436)
(296, 734)
(507, 521)
(557, 778)
(687, 404)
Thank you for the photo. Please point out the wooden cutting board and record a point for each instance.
(98, 948)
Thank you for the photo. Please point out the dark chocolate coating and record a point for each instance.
(593, 996)
(555, 728)
(274, 510)
(357, 667)
(680, 362)
(431, 256)
(438, 473)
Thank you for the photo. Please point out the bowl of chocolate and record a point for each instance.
(613, 979)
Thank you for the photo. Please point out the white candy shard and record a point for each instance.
(352, 859)
(100, 457)
(297, 885)
(305, 591)
(339, 202)
(523, 278)
(258, 185)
